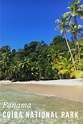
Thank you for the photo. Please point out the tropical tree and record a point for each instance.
(25, 69)
(4, 63)
(75, 10)
(63, 65)
(64, 27)
(13, 72)
(69, 23)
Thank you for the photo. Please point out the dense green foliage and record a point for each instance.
(33, 62)
(37, 61)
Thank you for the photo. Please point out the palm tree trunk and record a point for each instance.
(70, 52)
(75, 20)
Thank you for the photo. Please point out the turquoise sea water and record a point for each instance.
(37, 104)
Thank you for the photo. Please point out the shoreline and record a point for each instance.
(68, 89)
(62, 82)
(72, 93)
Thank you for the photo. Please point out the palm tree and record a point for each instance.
(63, 65)
(5, 62)
(75, 10)
(64, 27)
(24, 67)
(13, 71)
(73, 31)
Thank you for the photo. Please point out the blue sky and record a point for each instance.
(23, 21)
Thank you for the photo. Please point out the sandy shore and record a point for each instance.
(65, 82)
(66, 89)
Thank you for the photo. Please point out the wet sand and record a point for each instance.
(74, 93)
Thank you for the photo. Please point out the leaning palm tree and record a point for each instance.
(64, 27)
(75, 10)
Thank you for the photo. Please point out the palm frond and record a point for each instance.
(80, 11)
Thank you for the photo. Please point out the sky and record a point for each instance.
(23, 21)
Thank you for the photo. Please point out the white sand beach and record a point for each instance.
(71, 89)
(66, 82)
